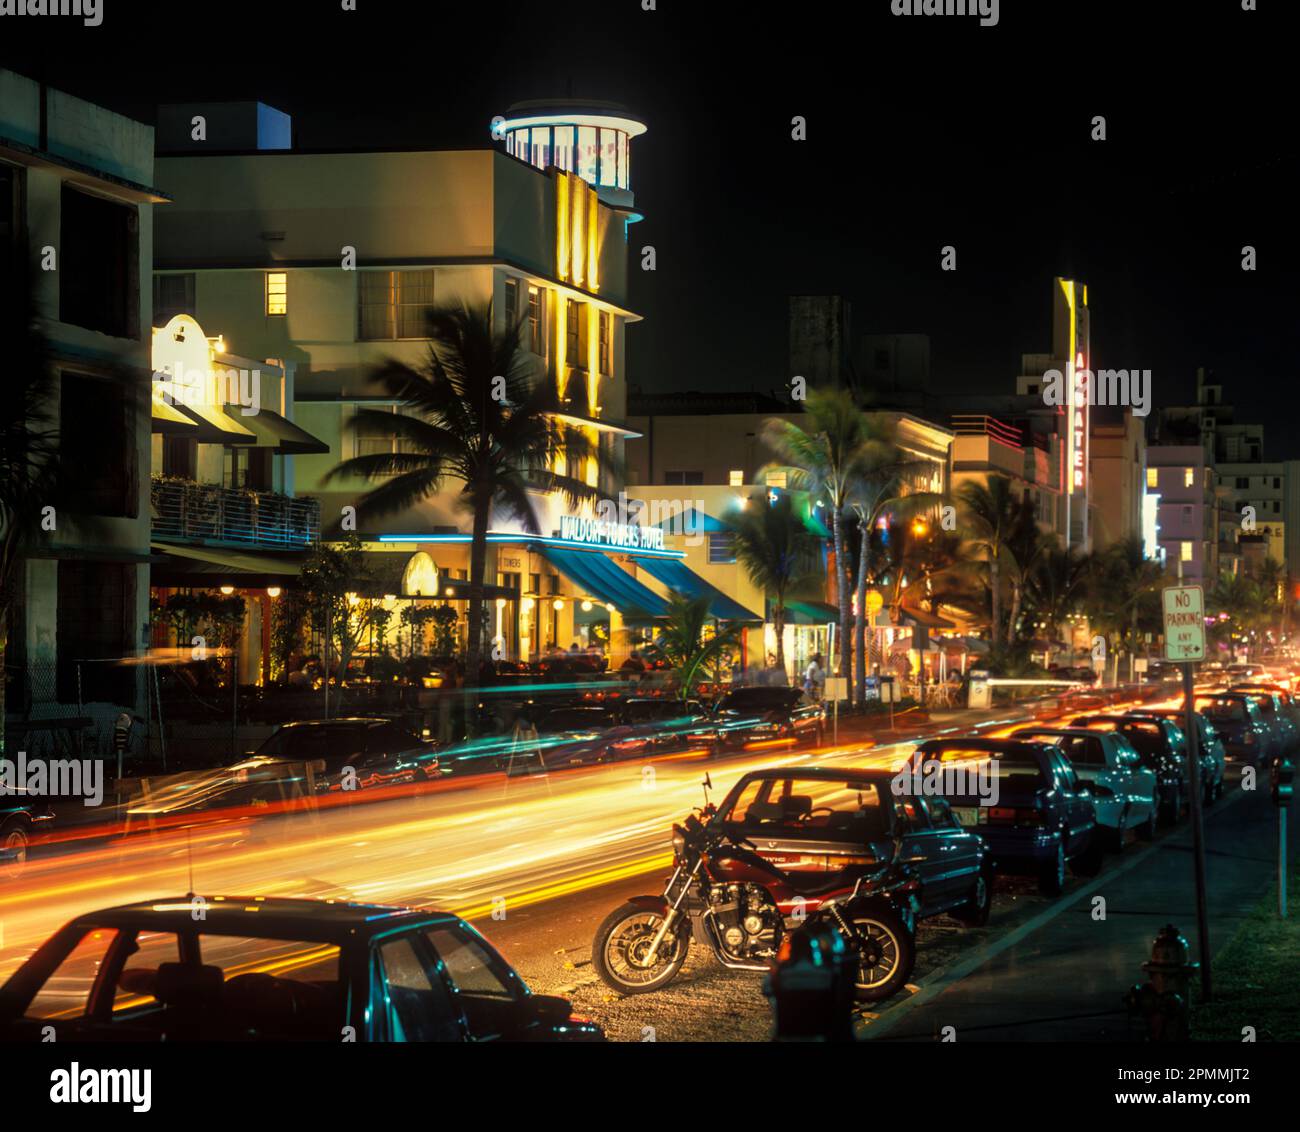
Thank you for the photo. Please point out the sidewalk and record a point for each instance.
(1062, 977)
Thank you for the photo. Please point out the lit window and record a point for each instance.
(776, 479)
(1153, 477)
(1189, 477)
(587, 152)
(606, 343)
(1185, 551)
(536, 320)
(277, 293)
(394, 304)
(736, 477)
(573, 334)
(564, 148)
(609, 157)
(512, 302)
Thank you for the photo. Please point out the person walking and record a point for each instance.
(814, 679)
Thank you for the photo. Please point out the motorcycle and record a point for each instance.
(724, 895)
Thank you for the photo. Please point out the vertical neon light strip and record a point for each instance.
(593, 241)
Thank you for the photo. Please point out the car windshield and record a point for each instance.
(644, 711)
(1014, 765)
(760, 699)
(833, 809)
(577, 719)
(1225, 711)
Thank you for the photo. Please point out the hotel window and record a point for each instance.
(99, 268)
(536, 320)
(609, 157)
(736, 477)
(722, 548)
(372, 440)
(180, 456)
(541, 148)
(517, 144)
(1189, 477)
(394, 304)
(1153, 477)
(624, 180)
(97, 426)
(1185, 551)
(681, 479)
(277, 293)
(172, 295)
(776, 479)
(564, 148)
(512, 302)
(606, 343)
(587, 153)
(247, 468)
(574, 320)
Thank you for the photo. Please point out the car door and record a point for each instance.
(961, 852)
(1078, 811)
(410, 1001)
(923, 842)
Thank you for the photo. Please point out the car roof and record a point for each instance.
(824, 773)
(368, 720)
(261, 917)
(1064, 731)
(1012, 746)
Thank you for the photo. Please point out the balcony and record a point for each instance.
(186, 511)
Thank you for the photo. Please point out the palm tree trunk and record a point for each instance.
(4, 644)
(477, 566)
(996, 610)
(842, 594)
(860, 627)
(778, 624)
(1014, 615)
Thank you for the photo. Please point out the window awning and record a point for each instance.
(807, 612)
(678, 576)
(608, 582)
(274, 431)
(206, 566)
(217, 428)
(691, 520)
(170, 421)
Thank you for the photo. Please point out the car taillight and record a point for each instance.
(1250, 738)
(1007, 815)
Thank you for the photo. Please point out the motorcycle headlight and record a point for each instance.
(679, 842)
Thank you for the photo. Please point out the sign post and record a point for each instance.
(1184, 623)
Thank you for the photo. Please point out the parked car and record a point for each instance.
(670, 724)
(1285, 735)
(379, 752)
(1285, 701)
(1125, 793)
(1213, 757)
(1160, 745)
(22, 821)
(1236, 718)
(274, 969)
(1038, 820)
(758, 714)
(577, 736)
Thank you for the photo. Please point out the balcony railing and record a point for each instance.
(202, 512)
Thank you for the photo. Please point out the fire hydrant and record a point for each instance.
(811, 987)
(1164, 999)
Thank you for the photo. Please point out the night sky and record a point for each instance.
(922, 131)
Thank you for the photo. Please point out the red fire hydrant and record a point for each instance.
(1163, 1000)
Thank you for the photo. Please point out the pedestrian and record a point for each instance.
(814, 679)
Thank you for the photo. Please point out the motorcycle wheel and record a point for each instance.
(623, 937)
(14, 840)
(886, 963)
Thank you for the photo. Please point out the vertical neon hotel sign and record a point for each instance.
(1079, 424)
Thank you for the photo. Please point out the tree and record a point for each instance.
(1124, 593)
(824, 457)
(993, 515)
(1056, 586)
(689, 643)
(475, 414)
(778, 552)
(333, 586)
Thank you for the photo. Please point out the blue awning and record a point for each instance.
(678, 576)
(606, 581)
(692, 521)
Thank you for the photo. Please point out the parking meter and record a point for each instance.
(981, 695)
(1281, 777)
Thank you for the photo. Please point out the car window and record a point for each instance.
(911, 814)
(848, 810)
(469, 966)
(941, 813)
(415, 1001)
(66, 993)
(137, 982)
(389, 739)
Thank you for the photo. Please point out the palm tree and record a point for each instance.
(476, 415)
(778, 552)
(29, 447)
(824, 457)
(1125, 592)
(1056, 585)
(685, 643)
(994, 516)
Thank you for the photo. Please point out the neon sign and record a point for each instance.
(1080, 400)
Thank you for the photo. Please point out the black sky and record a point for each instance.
(922, 132)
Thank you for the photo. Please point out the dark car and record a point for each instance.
(577, 736)
(1213, 756)
(1278, 709)
(378, 751)
(670, 724)
(21, 822)
(1035, 817)
(768, 714)
(1237, 720)
(1161, 745)
(253, 968)
(829, 823)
